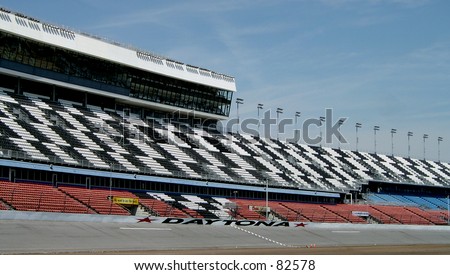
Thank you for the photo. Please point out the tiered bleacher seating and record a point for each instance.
(424, 201)
(39, 197)
(74, 199)
(186, 205)
(346, 211)
(435, 218)
(245, 209)
(192, 209)
(158, 207)
(66, 132)
(443, 215)
(401, 214)
(99, 199)
(314, 212)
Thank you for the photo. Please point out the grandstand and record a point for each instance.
(84, 121)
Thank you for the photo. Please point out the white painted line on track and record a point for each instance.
(149, 229)
(259, 236)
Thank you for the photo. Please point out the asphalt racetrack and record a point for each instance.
(73, 237)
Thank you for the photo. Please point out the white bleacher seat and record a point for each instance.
(92, 132)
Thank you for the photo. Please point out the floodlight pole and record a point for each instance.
(259, 107)
(375, 129)
(322, 119)
(410, 134)
(340, 122)
(297, 115)
(393, 131)
(279, 111)
(357, 126)
(238, 102)
(439, 148)
(425, 136)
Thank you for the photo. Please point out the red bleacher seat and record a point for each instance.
(161, 208)
(432, 216)
(98, 199)
(39, 197)
(400, 214)
(314, 213)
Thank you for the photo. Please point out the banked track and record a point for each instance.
(52, 233)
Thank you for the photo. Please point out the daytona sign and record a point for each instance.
(218, 222)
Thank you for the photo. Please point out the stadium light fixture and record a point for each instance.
(410, 134)
(340, 122)
(322, 119)
(393, 131)
(238, 102)
(297, 115)
(425, 136)
(440, 139)
(357, 126)
(279, 111)
(259, 107)
(375, 129)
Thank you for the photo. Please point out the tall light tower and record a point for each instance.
(322, 119)
(340, 122)
(279, 111)
(297, 115)
(410, 134)
(425, 136)
(239, 101)
(375, 129)
(439, 148)
(357, 126)
(259, 107)
(393, 131)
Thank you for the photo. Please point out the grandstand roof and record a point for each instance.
(31, 28)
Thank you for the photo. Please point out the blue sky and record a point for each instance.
(377, 62)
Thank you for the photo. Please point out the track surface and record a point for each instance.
(341, 250)
(62, 237)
